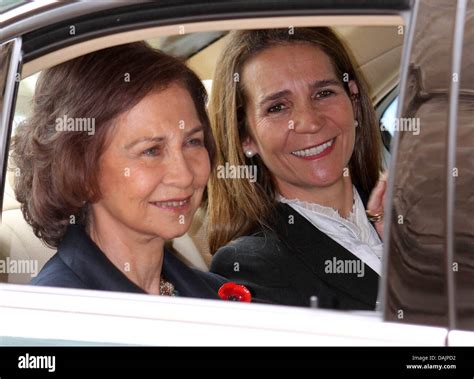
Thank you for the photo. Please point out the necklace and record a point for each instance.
(166, 288)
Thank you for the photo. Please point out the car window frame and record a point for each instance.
(28, 55)
(10, 53)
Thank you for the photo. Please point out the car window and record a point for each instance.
(201, 51)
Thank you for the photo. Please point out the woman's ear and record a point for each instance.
(353, 89)
(249, 147)
(354, 95)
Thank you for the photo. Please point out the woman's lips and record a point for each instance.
(315, 152)
(173, 204)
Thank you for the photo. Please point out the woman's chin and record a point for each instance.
(323, 181)
(172, 233)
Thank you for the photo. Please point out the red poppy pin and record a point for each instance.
(235, 292)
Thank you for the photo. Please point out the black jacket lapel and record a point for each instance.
(315, 249)
(96, 271)
(85, 259)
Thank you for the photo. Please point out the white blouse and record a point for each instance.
(355, 233)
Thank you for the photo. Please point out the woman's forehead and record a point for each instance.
(287, 65)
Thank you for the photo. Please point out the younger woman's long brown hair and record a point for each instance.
(237, 207)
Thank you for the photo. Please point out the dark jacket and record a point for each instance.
(79, 263)
(287, 265)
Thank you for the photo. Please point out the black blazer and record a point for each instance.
(286, 265)
(79, 263)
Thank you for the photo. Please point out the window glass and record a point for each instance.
(388, 119)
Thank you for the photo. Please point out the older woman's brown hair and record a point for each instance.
(238, 207)
(58, 169)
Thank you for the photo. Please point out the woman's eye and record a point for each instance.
(151, 152)
(323, 94)
(276, 108)
(196, 142)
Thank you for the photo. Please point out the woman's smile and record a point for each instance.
(179, 205)
(317, 151)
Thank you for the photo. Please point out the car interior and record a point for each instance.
(376, 48)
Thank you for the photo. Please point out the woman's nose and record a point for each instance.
(308, 120)
(178, 171)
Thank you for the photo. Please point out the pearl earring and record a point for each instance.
(249, 153)
(356, 123)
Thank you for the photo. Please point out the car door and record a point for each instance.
(79, 28)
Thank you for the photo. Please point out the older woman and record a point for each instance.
(114, 161)
(291, 104)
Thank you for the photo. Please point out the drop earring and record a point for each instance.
(249, 153)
